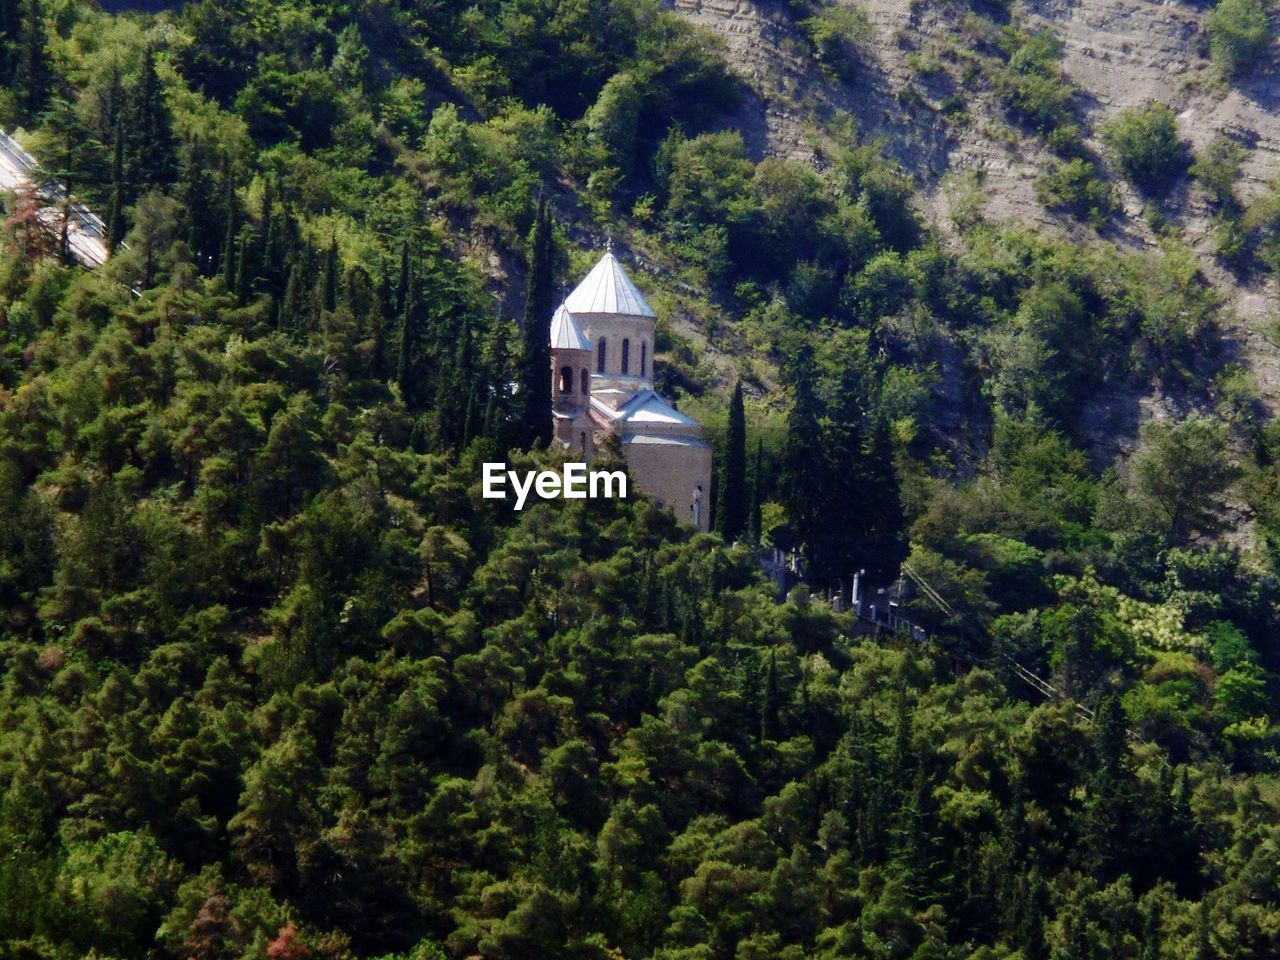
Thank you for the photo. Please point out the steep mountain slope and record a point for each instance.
(1116, 53)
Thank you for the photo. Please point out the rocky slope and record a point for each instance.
(1117, 53)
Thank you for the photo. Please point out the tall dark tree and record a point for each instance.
(1111, 806)
(116, 227)
(329, 293)
(10, 36)
(231, 217)
(155, 154)
(410, 365)
(199, 190)
(803, 460)
(754, 532)
(535, 360)
(32, 77)
(731, 498)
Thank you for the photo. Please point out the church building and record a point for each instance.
(602, 383)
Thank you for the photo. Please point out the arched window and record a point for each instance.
(626, 356)
(600, 353)
(586, 382)
(582, 440)
(566, 380)
(644, 357)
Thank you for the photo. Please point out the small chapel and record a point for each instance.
(602, 363)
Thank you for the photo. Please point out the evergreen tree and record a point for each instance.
(769, 706)
(31, 74)
(330, 290)
(754, 532)
(405, 278)
(1111, 808)
(10, 36)
(880, 544)
(231, 213)
(116, 227)
(245, 265)
(409, 365)
(155, 156)
(293, 312)
(731, 505)
(535, 361)
(803, 459)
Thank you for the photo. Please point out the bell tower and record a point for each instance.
(571, 383)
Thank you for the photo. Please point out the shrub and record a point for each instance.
(1218, 168)
(835, 33)
(1238, 35)
(1074, 186)
(1144, 143)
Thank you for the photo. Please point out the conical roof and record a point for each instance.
(608, 289)
(565, 332)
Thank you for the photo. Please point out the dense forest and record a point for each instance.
(278, 683)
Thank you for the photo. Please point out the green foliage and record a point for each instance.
(1075, 186)
(1143, 142)
(837, 31)
(1239, 35)
(278, 682)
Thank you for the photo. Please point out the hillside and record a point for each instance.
(278, 682)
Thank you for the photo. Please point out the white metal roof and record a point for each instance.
(608, 289)
(565, 332)
(647, 407)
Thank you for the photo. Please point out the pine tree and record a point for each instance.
(31, 74)
(535, 360)
(731, 505)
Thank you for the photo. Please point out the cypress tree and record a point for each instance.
(535, 362)
(292, 308)
(10, 36)
(408, 372)
(757, 494)
(115, 214)
(402, 285)
(1151, 938)
(331, 276)
(1204, 945)
(233, 224)
(731, 507)
(803, 457)
(880, 546)
(769, 708)
(244, 265)
(31, 75)
(156, 157)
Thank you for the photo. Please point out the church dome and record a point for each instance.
(608, 290)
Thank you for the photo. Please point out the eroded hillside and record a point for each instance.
(920, 78)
